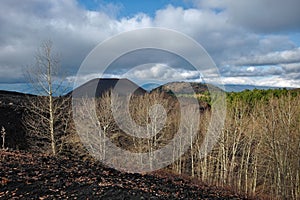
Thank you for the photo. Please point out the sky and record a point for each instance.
(252, 42)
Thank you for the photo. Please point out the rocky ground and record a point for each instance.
(11, 114)
(37, 176)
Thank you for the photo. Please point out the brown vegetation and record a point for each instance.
(258, 152)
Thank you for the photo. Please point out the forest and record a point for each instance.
(257, 152)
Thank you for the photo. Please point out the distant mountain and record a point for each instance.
(199, 88)
(150, 86)
(27, 88)
(108, 83)
(11, 94)
(17, 87)
(96, 87)
(239, 88)
(184, 87)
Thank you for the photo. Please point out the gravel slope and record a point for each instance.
(36, 176)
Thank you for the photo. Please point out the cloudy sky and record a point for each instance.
(253, 42)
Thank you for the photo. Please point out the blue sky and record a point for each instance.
(129, 8)
(252, 42)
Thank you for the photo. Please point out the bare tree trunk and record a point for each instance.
(3, 133)
(50, 96)
(47, 114)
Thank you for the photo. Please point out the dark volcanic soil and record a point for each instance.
(36, 176)
(11, 114)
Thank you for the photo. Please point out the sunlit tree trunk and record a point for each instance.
(47, 113)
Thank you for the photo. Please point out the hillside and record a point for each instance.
(11, 113)
(96, 87)
(183, 87)
(37, 176)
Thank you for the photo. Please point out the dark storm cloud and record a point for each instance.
(265, 16)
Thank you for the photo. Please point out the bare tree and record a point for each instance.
(280, 128)
(47, 114)
(3, 133)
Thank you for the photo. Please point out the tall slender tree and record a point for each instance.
(46, 113)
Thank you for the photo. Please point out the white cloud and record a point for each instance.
(221, 26)
(154, 73)
(279, 82)
(161, 73)
(262, 81)
(276, 57)
(250, 69)
(238, 80)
